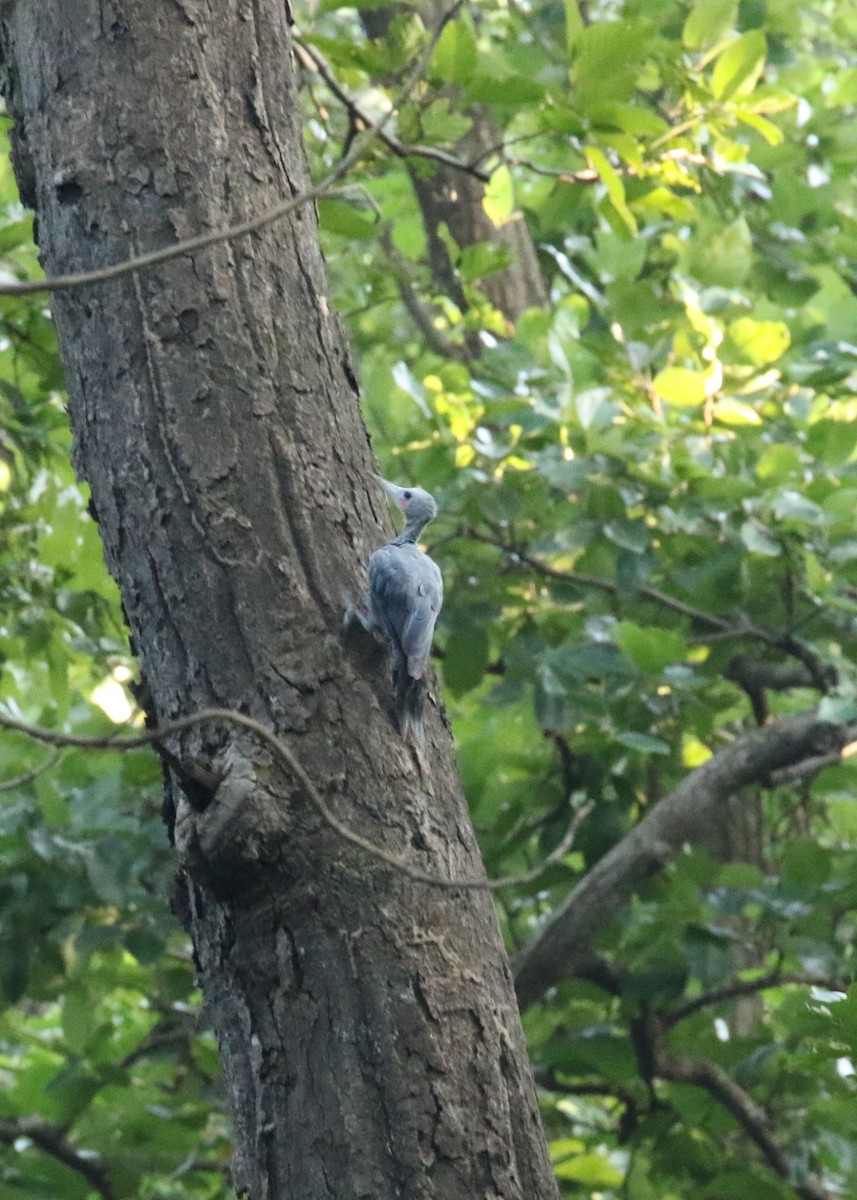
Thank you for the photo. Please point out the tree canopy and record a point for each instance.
(647, 489)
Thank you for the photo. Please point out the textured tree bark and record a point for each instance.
(368, 1028)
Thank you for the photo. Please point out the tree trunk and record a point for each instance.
(368, 1028)
(450, 197)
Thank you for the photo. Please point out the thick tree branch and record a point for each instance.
(53, 1141)
(753, 674)
(681, 817)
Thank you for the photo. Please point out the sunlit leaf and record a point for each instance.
(680, 386)
(499, 196)
(613, 183)
(739, 68)
(760, 342)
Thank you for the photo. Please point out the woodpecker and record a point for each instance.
(405, 597)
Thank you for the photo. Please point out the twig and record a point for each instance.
(314, 59)
(281, 751)
(604, 585)
(201, 241)
(53, 1141)
(749, 987)
(8, 785)
(721, 628)
(586, 175)
(411, 301)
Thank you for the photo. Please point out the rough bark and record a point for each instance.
(564, 946)
(368, 1029)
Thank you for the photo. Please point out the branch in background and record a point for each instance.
(777, 677)
(286, 759)
(564, 943)
(749, 987)
(720, 627)
(53, 1141)
(215, 236)
(811, 767)
(517, 554)
(547, 1078)
(314, 60)
(419, 313)
(752, 1119)
(8, 785)
(755, 677)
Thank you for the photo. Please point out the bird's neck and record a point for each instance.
(410, 533)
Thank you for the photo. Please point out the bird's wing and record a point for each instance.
(406, 590)
(419, 627)
(391, 593)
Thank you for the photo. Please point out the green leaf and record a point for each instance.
(760, 342)
(729, 411)
(78, 1025)
(772, 133)
(651, 648)
(707, 22)
(344, 219)
(791, 506)
(641, 742)
(615, 188)
(574, 25)
(499, 196)
(607, 58)
(465, 659)
(440, 125)
(680, 386)
(805, 863)
(844, 90)
(832, 442)
(739, 68)
(591, 1170)
(454, 59)
(780, 462)
(757, 539)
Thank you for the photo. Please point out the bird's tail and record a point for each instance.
(409, 696)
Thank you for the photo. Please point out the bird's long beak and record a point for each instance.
(395, 493)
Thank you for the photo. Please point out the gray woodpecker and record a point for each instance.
(405, 596)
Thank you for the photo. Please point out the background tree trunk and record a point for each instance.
(368, 1028)
(451, 197)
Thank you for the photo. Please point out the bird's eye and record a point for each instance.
(408, 495)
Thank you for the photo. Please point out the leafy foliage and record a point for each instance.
(647, 493)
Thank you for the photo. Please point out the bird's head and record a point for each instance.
(415, 502)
